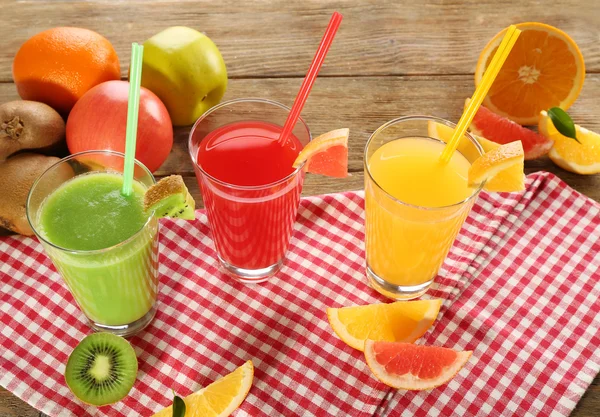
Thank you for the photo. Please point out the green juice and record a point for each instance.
(105, 246)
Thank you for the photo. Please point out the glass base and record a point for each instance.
(396, 292)
(250, 276)
(126, 330)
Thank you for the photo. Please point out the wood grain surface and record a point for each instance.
(278, 38)
(390, 58)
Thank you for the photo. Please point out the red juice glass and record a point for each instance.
(250, 190)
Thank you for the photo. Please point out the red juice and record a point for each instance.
(251, 199)
(248, 154)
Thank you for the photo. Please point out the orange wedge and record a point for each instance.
(220, 398)
(580, 158)
(413, 367)
(444, 133)
(510, 180)
(326, 154)
(492, 163)
(544, 69)
(402, 321)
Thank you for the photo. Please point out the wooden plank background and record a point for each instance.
(390, 58)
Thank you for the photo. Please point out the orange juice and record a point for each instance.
(415, 206)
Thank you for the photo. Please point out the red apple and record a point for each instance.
(99, 119)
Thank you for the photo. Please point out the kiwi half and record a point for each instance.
(102, 369)
(170, 198)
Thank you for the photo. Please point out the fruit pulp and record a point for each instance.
(86, 217)
(407, 240)
(413, 367)
(501, 130)
(252, 198)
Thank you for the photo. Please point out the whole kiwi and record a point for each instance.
(102, 369)
(29, 125)
(17, 175)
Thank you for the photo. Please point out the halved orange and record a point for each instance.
(544, 69)
(413, 367)
(496, 161)
(401, 321)
(510, 180)
(326, 154)
(220, 398)
(580, 158)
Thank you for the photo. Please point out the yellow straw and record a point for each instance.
(486, 82)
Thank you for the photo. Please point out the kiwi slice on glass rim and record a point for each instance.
(169, 197)
(101, 369)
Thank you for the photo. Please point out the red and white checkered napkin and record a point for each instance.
(521, 289)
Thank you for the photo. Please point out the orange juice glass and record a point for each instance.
(414, 204)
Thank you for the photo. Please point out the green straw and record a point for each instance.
(133, 107)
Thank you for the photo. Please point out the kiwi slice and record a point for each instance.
(102, 369)
(170, 198)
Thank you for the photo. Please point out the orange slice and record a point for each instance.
(413, 367)
(326, 154)
(510, 180)
(580, 158)
(496, 161)
(444, 133)
(220, 398)
(544, 69)
(402, 321)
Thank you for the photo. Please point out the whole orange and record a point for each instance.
(59, 65)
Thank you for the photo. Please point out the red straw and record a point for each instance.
(311, 75)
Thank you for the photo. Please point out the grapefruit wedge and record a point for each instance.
(413, 367)
(502, 130)
(326, 154)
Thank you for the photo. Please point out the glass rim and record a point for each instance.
(244, 187)
(424, 118)
(78, 251)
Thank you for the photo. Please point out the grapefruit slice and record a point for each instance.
(544, 69)
(326, 154)
(501, 130)
(492, 163)
(413, 367)
(580, 158)
(402, 321)
(220, 398)
(510, 180)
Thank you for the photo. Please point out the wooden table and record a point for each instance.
(390, 58)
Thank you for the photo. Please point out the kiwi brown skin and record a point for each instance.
(157, 195)
(30, 125)
(17, 175)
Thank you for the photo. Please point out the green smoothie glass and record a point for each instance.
(103, 244)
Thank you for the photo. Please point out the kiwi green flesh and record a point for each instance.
(102, 369)
(178, 206)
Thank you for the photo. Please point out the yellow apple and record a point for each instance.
(185, 69)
